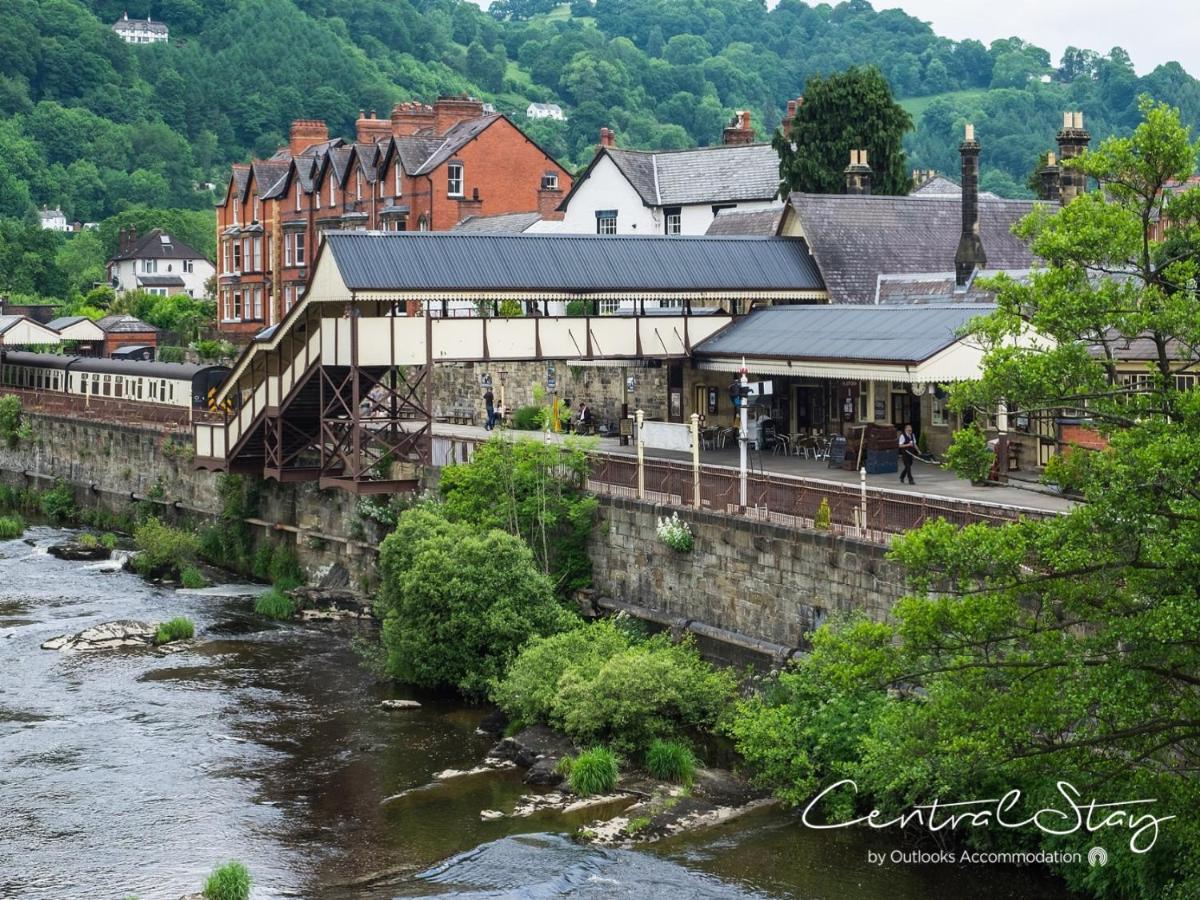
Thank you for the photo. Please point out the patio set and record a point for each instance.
(809, 445)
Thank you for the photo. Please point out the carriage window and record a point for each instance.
(107, 386)
(153, 390)
(162, 391)
(119, 386)
(139, 388)
(95, 384)
(171, 391)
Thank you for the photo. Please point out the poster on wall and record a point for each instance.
(880, 410)
(676, 403)
(848, 400)
(712, 400)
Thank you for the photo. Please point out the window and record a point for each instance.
(287, 250)
(332, 193)
(237, 258)
(289, 297)
(299, 238)
(237, 305)
(255, 209)
(423, 223)
(673, 303)
(609, 307)
(149, 265)
(228, 257)
(606, 221)
(399, 182)
(297, 196)
(864, 401)
(236, 208)
(358, 185)
(1185, 382)
(257, 313)
(673, 220)
(550, 181)
(938, 413)
(454, 179)
(189, 265)
(257, 266)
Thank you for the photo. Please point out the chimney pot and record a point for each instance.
(858, 173)
(970, 132)
(607, 137)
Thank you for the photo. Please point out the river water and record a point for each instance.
(133, 772)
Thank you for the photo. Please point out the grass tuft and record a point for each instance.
(228, 882)
(671, 761)
(275, 604)
(177, 629)
(190, 577)
(594, 771)
(11, 527)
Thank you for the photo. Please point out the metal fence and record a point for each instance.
(872, 514)
(175, 419)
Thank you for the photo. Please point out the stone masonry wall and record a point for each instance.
(106, 463)
(755, 578)
(456, 387)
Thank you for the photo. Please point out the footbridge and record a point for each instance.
(341, 391)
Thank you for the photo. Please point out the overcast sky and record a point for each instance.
(1153, 31)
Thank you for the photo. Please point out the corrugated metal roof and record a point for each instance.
(447, 261)
(845, 331)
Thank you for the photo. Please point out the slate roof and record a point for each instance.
(64, 322)
(454, 140)
(1142, 349)
(268, 174)
(127, 24)
(895, 334)
(160, 281)
(151, 246)
(448, 261)
(721, 174)
(941, 186)
(934, 287)
(762, 222)
(855, 239)
(508, 223)
(123, 325)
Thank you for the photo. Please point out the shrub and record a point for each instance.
(228, 882)
(163, 551)
(210, 350)
(823, 518)
(275, 604)
(671, 761)
(458, 602)
(191, 578)
(170, 354)
(11, 527)
(599, 684)
(177, 629)
(88, 540)
(676, 534)
(535, 491)
(11, 426)
(58, 503)
(529, 418)
(594, 771)
(108, 541)
(969, 456)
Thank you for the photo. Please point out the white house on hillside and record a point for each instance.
(545, 111)
(53, 219)
(141, 31)
(158, 264)
(669, 192)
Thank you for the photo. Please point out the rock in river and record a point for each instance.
(124, 633)
(77, 552)
(400, 704)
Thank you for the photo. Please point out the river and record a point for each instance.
(131, 772)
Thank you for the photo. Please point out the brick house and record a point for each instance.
(426, 168)
(126, 331)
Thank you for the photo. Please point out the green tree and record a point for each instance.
(81, 259)
(457, 602)
(852, 110)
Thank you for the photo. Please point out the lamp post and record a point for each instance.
(743, 436)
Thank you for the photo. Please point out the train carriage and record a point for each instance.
(137, 381)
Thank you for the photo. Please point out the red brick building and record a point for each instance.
(425, 169)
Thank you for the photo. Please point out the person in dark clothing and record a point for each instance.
(908, 449)
(489, 403)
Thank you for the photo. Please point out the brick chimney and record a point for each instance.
(372, 129)
(449, 111)
(608, 137)
(793, 106)
(411, 117)
(548, 202)
(305, 133)
(858, 173)
(1049, 186)
(738, 131)
(1072, 141)
(970, 255)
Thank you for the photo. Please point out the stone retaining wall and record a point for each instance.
(755, 578)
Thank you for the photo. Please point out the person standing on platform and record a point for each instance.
(908, 448)
(489, 403)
